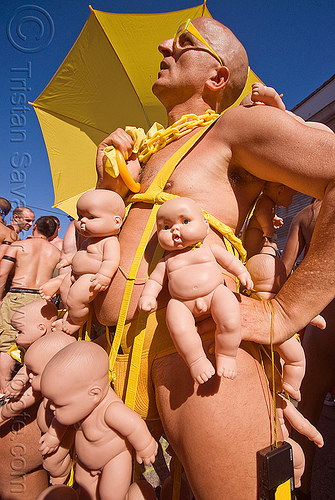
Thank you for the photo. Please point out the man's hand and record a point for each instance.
(124, 143)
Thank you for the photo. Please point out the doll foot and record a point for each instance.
(69, 327)
(202, 370)
(56, 325)
(48, 290)
(295, 394)
(226, 366)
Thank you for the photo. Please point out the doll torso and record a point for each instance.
(192, 273)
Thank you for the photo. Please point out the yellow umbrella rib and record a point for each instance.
(66, 117)
(131, 83)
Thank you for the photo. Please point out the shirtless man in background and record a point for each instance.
(34, 261)
(7, 235)
(23, 219)
(224, 173)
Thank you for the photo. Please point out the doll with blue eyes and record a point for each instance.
(100, 216)
(196, 285)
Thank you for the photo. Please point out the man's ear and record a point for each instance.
(219, 80)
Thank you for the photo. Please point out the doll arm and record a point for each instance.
(232, 265)
(300, 423)
(152, 288)
(50, 441)
(65, 261)
(14, 407)
(109, 265)
(130, 425)
(18, 383)
(264, 213)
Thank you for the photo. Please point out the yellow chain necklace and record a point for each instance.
(158, 138)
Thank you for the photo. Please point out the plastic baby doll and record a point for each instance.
(55, 449)
(196, 286)
(264, 220)
(100, 215)
(268, 273)
(77, 385)
(36, 357)
(32, 321)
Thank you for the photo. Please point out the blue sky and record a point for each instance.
(290, 44)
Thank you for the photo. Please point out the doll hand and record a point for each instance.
(148, 454)
(246, 280)
(277, 222)
(147, 303)
(48, 443)
(319, 321)
(100, 282)
(14, 388)
(63, 263)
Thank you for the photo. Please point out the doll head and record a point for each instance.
(100, 213)
(280, 194)
(75, 381)
(180, 224)
(33, 320)
(41, 351)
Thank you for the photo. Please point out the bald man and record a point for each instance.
(216, 429)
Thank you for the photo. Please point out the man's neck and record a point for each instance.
(39, 235)
(197, 107)
(15, 227)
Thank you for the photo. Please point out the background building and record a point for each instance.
(319, 106)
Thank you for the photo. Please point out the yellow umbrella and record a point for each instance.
(104, 83)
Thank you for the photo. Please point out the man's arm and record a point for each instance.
(273, 146)
(6, 264)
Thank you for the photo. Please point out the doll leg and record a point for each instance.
(267, 95)
(181, 325)
(65, 287)
(226, 314)
(78, 299)
(87, 482)
(51, 287)
(293, 355)
(116, 477)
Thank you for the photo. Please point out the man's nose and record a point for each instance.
(166, 47)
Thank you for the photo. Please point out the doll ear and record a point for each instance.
(118, 220)
(207, 224)
(42, 327)
(94, 390)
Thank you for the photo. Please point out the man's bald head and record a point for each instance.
(232, 54)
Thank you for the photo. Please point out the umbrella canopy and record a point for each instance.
(104, 83)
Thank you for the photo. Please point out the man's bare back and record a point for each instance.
(36, 260)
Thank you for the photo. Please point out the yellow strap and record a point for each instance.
(129, 287)
(178, 468)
